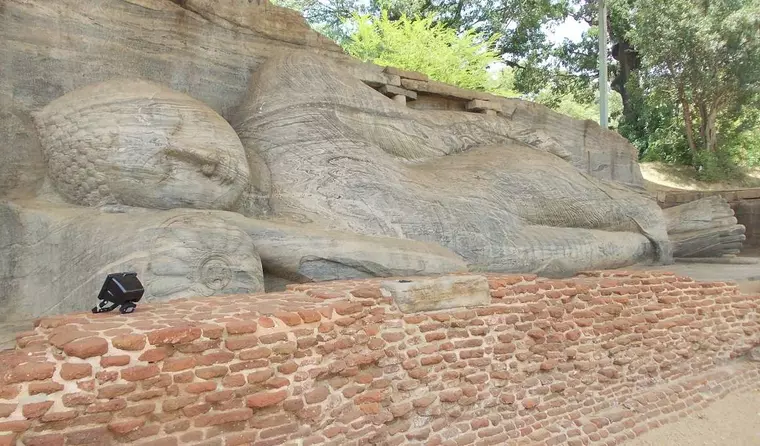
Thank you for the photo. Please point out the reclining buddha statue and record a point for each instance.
(317, 176)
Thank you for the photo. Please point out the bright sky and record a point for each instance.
(570, 29)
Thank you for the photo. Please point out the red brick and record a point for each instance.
(195, 410)
(178, 364)
(43, 440)
(277, 382)
(266, 399)
(11, 392)
(153, 355)
(52, 417)
(105, 376)
(78, 399)
(241, 342)
(75, 371)
(115, 390)
(114, 361)
(165, 441)
(176, 426)
(217, 418)
(132, 342)
(530, 403)
(174, 404)
(154, 393)
(310, 316)
(241, 438)
(87, 436)
(139, 373)
(317, 395)
(237, 380)
(30, 371)
(110, 406)
(290, 319)
(174, 335)
(36, 410)
(211, 372)
(288, 368)
(256, 353)
(138, 410)
(220, 357)
(220, 397)
(15, 426)
(241, 327)
(451, 395)
(125, 426)
(7, 409)
(346, 308)
(201, 387)
(63, 335)
(86, 347)
(273, 338)
(260, 376)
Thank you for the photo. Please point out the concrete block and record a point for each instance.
(439, 293)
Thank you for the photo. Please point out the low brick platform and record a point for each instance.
(597, 359)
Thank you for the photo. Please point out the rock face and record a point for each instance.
(209, 49)
(221, 146)
(347, 158)
(140, 144)
(60, 255)
(704, 228)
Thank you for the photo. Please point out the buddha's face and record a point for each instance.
(140, 144)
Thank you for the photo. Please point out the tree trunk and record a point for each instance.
(711, 132)
(688, 119)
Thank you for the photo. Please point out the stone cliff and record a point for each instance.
(220, 147)
(209, 49)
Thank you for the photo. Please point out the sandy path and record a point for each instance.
(731, 421)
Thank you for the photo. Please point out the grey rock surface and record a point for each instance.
(704, 228)
(345, 157)
(209, 49)
(304, 253)
(140, 144)
(55, 257)
(440, 293)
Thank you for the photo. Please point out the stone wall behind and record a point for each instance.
(209, 49)
(597, 359)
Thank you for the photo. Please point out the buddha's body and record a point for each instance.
(319, 177)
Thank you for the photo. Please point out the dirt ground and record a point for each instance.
(732, 421)
(659, 176)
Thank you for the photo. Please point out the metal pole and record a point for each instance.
(603, 64)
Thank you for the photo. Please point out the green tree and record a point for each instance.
(707, 55)
(461, 59)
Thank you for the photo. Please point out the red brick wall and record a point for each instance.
(596, 359)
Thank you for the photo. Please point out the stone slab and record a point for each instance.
(480, 105)
(406, 73)
(391, 90)
(442, 89)
(440, 293)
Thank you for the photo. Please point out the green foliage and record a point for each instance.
(708, 53)
(442, 53)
